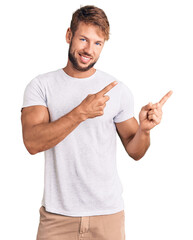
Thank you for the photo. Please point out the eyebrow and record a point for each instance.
(87, 38)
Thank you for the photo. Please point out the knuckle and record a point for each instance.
(152, 112)
(100, 102)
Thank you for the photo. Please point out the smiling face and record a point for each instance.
(85, 46)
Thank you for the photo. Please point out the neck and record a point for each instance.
(77, 74)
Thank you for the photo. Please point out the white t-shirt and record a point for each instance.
(81, 177)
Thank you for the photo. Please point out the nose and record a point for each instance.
(88, 49)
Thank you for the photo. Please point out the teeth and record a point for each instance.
(85, 57)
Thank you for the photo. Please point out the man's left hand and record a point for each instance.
(151, 114)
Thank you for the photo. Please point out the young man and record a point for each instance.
(67, 114)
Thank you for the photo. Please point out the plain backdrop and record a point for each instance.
(150, 49)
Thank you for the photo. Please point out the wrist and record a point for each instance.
(144, 131)
(80, 113)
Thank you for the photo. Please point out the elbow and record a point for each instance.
(31, 151)
(136, 157)
(30, 148)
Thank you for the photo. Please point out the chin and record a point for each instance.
(83, 68)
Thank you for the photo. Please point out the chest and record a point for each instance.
(62, 97)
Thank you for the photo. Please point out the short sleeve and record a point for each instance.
(126, 110)
(34, 94)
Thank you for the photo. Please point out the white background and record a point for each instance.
(150, 49)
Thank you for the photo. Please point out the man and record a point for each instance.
(67, 114)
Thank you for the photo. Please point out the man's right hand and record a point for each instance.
(93, 105)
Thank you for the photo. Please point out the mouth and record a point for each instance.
(84, 59)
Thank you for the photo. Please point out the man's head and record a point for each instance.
(89, 29)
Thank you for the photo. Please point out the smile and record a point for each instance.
(84, 59)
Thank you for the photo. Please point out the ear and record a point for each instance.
(68, 35)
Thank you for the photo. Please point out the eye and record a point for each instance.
(98, 44)
(83, 39)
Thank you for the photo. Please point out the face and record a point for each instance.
(85, 46)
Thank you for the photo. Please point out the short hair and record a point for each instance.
(90, 15)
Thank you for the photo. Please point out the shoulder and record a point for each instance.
(48, 75)
(41, 80)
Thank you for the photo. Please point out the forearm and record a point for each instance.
(46, 135)
(139, 144)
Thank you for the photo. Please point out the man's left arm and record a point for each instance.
(136, 137)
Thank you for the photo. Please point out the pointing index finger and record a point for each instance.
(165, 98)
(107, 88)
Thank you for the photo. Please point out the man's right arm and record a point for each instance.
(39, 134)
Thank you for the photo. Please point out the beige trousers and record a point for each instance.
(100, 227)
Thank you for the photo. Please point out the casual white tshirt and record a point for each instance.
(81, 177)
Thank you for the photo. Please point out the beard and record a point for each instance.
(74, 61)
